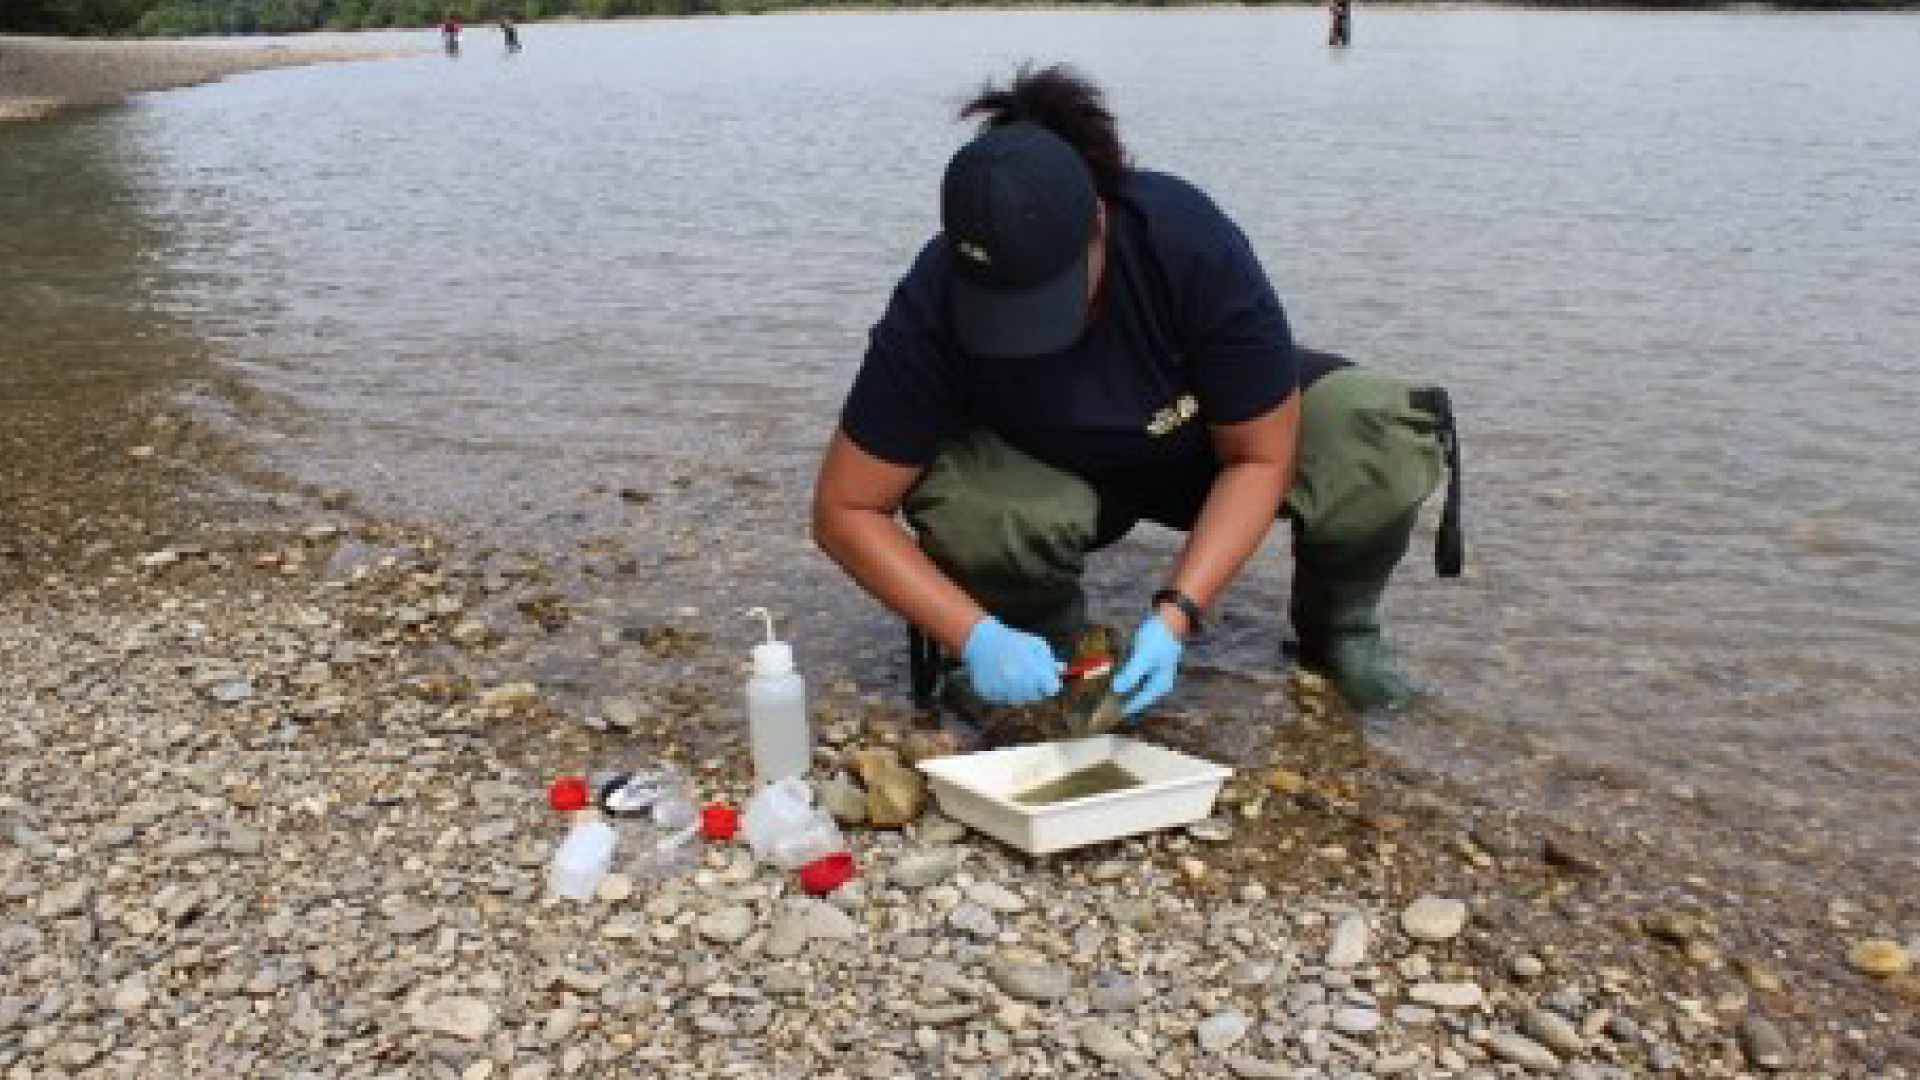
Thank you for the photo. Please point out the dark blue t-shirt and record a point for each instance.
(1188, 333)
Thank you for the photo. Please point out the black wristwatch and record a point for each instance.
(1185, 603)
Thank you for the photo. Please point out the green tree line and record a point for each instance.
(183, 17)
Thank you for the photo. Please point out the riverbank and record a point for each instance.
(43, 75)
(262, 818)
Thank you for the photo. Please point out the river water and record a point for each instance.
(1666, 262)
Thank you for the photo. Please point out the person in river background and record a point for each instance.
(510, 34)
(1086, 345)
(1339, 23)
(450, 33)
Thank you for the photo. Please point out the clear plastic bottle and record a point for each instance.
(651, 808)
(582, 861)
(777, 727)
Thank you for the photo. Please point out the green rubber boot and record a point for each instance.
(1360, 664)
(1335, 611)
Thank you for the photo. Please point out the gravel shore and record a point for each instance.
(259, 820)
(42, 75)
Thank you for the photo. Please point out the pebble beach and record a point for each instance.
(257, 822)
(259, 817)
(41, 75)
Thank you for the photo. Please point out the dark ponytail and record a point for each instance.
(1059, 99)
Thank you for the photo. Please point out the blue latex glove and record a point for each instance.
(1150, 666)
(1008, 667)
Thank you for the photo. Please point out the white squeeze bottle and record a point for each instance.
(781, 738)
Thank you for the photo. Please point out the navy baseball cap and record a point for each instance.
(1018, 208)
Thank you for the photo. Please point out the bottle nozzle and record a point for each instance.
(772, 656)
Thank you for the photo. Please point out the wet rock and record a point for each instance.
(1526, 967)
(1759, 974)
(1763, 1044)
(1552, 1030)
(921, 746)
(1572, 854)
(515, 695)
(1674, 928)
(1879, 957)
(895, 793)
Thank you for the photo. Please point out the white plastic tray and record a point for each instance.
(977, 790)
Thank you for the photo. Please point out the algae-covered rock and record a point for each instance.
(1086, 704)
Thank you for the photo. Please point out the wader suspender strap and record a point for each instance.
(1449, 545)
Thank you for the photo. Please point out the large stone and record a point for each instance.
(1105, 1043)
(60, 902)
(1764, 1045)
(1222, 1031)
(844, 799)
(924, 869)
(1116, 991)
(996, 898)
(1879, 957)
(1456, 995)
(1522, 1051)
(803, 919)
(974, 919)
(1031, 981)
(1573, 854)
(1253, 1068)
(1349, 947)
(726, 925)
(1353, 1020)
(895, 793)
(1550, 1029)
(1433, 918)
(466, 1018)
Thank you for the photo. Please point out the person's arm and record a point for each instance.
(1256, 465)
(854, 502)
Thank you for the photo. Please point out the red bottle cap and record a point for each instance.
(567, 794)
(719, 821)
(825, 874)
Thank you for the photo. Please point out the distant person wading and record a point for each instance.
(1339, 23)
(450, 33)
(509, 34)
(1087, 345)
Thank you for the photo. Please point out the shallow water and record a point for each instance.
(1665, 262)
(1102, 778)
